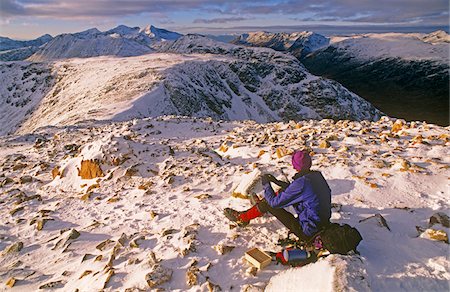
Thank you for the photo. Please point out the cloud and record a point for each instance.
(222, 11)
(219, 20)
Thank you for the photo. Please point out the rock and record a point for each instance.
(212, 287)
(251, 271)
(439, 218)
(52, 285)
(86, 197)
(25, 179)
(153, 214)
(123, 238)
(16, 247)
(103, 244)
(203, 196)
(435, 234)
(380, 220)
(324, 144)
(335, 207)
(90, 169)
(73, 234)
(397, 126)
(168, 231)
(16, 210)
(10, 283)
(223, 249)
(109, 274)
(91, 187)
(19, 166)
(85, 273)
(261, 153)
(5, 181)
(281, 152)
(192, 276)
(158, 276)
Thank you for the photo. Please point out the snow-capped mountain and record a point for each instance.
(121, 41)
(298, 43)
(405, 75)
(193, 76)
(9, 44)
(12, 50)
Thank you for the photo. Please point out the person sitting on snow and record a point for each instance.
(308, 193)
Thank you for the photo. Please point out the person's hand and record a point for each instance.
(266, 178)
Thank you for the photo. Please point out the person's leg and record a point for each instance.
(286, 218)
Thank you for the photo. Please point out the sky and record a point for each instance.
(27, 19)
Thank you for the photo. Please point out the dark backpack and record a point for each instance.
(340, 239)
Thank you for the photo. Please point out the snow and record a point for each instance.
(167, 179)
(411, 46)
(156, 84)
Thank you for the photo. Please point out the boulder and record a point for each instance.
(159, 275)
(90, 169)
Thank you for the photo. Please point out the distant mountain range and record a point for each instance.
(404, 75)
(121, 41)
(192, 76)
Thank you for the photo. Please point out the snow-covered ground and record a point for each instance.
(254, 83)
(407, 46)
(150, 205)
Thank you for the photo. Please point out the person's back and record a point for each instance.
(323, 192)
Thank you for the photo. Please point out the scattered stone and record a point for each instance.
(203, 196)
(158, 276)
(19, 166)
(86, 197)
(123, 238)
(166, 232)
(98, 258)
(251, 271)
(41, 223)
(90, 169)
(16, 247)
(134, 243)
(6, 180)
(85, 273)
(261, 153)
(192, 276)
(380, 219)
(113, 200)
(397, 126)
(435, 234)
(223, 249)
(439, 218)
(212, 287)
(10, 283)
(110, 273)
(73, 234)
(16, 210)
(324, 144)
(153, 214)
(103, 244)
(87, 257)
(25, 179)
(336, 207)
(52, 285)
(55, 172)
(91, 187)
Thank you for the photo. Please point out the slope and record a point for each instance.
(205, 80)
(153, 216)
(404, 75)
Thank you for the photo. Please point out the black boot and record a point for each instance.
(233, 215)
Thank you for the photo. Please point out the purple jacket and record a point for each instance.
(310, 196)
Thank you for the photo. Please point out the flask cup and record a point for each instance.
(294, 255)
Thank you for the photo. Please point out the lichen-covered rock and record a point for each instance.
(158, 276)
(223, 249)
(435, 234)
(192, 276)
(90, 169)
(439, 218)
(16, 247)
